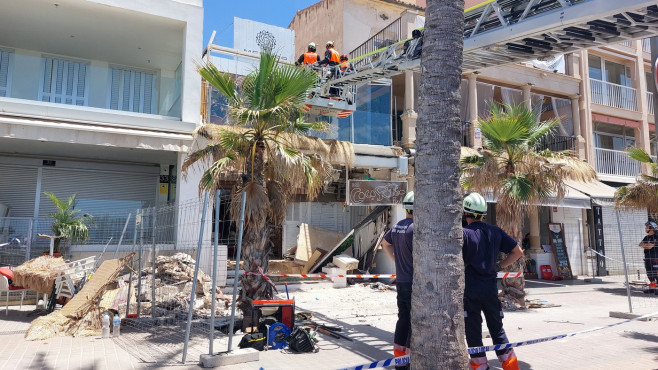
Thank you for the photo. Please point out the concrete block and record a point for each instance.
(627, 315)
(236, 356)
(338, 282)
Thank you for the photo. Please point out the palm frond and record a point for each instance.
(640, 195)
(223, 82)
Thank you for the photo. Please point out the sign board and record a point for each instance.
(252, 37)
(599, 243)
(560, 251)
(375, 193)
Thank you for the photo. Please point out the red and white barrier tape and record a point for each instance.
(501, 275)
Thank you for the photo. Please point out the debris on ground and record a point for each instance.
(38, 274)
(540, 303)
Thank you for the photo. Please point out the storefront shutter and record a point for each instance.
(18, 190)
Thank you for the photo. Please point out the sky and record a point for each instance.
(218, 15)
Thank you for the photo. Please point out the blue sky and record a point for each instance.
(218, 15)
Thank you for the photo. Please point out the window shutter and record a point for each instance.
(4, 73)
(131, 90)
(64, 82)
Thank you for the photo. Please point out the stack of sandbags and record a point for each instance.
(38, 274)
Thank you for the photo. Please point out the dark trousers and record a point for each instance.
(651, 265)
(403, 327)
(485, 301)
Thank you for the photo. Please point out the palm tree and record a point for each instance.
(263, 151)
(643, 194)
(512, 169)
(67, 225)
(438, 283)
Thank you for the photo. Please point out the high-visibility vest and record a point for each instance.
(335, 57)
(310, 57)
(344, 66)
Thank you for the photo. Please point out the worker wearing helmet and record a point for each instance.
(482, 243)
(650, 246)
(345, 65)
(309, 57)
(398, 244)
(331, 56)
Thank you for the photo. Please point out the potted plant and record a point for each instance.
(67, 224)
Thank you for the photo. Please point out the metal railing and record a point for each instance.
(628, 44)
(613, 95)
(389, 35)
(615, 162)
(557, 143)
(650, 101)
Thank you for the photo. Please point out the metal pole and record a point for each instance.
(653, 44)
(623, 256)
(214, 274)
(196, 273)
(153, 264)
(102, 253)
(139, 264)
(130, 279)
(237, 270)
(125, 226)
(29, 240)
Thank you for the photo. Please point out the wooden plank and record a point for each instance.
(317, 254)
(311, 238)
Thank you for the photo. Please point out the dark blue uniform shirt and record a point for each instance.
(402, 237)
(482, 243)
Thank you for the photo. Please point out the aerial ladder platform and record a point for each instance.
(497, 32)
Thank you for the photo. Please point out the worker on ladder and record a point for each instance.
(345, 66)
(309, 57)
(331, 56)
(482, 243)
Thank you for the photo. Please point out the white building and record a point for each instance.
(98, 98)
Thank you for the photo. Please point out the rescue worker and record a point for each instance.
(398, 244)
(309, 57)
(650, 246)
(331, 56)
(482, 243)
(345, 66)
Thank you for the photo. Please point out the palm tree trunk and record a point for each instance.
(255, 241)
(437, 311)
(509, 216)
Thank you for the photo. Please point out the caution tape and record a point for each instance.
(474, 350)
(500, 275)
(612, 259)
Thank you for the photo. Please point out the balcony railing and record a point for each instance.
(613, 95)
(615, 162)
(389, 35)
(557, 143)
(628, 44)
(650, 101)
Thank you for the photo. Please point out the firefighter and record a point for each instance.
(331, 56)
(650, 246)
(345, 66)
(482, 243)
(309, 57)
(398, 243)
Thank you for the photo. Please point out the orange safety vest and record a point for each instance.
(344, 66)
(310, 57)
(335, 57)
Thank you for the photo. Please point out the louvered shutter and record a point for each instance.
(4, 72)
(632, 236)
(18, 189)
(64, 82)
(132, 91)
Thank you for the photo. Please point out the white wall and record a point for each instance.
(571, 218)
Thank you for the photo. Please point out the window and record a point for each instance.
(5, 80)
(64, 81)
(132, 90)
(608, 71)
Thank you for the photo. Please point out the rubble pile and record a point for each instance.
(173, 286)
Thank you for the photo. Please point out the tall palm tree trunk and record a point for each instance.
(509, 217)
(437, 312)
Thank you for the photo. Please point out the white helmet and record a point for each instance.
(474, 203)
(408, 201)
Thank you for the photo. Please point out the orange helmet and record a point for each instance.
(343, 57)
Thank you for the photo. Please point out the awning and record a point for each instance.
(572, 199)
(600, 193)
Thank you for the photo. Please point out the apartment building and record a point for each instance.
(600, 97)
(97, 98)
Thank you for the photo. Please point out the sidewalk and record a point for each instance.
(369, 317)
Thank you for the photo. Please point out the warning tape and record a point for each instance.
(473, 350)
(612, 259)
(500, 275)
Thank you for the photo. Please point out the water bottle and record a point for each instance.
(116, 325)
(105, 332)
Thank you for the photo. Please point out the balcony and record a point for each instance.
(650, 101)
(646, 45)
(613, 95)
(615, 163)
(557, 143)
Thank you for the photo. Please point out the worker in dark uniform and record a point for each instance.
(345, 66)
(482, 243)
(650, 246)
(309, 57)
(398, 244)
